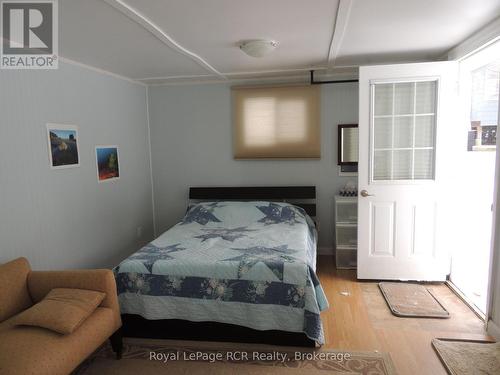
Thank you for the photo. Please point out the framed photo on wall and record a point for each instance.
(108, 168)
(63, 146)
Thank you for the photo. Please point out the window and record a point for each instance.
(484, 107)
(276, 122)
(403, 130)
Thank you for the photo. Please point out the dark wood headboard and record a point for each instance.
(298, 195)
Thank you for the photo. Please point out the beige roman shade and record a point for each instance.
(276, 122)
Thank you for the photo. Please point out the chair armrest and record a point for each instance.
(40, 283)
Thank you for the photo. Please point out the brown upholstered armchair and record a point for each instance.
(30, 350)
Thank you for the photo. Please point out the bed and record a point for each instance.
(233, 269)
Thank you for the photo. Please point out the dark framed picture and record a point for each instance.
(108, 168)
(63, 146)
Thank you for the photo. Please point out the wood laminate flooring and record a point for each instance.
(359, 319)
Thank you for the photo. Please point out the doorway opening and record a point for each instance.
(471, 252)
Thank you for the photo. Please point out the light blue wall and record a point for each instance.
(191, 143)
(64, 218)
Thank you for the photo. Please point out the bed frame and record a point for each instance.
(302, 196)
(137, 326)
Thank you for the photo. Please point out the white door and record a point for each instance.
(406, 120)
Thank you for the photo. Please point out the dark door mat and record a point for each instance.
(465, 357)
(412, 300)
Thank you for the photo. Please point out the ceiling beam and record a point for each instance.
(248, 74)
(343, 12)
(272, 76)
(156, 31)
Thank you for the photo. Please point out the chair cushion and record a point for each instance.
(33, 350)
(14, 295)
(63, 310)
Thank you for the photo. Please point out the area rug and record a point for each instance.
(148, 356)
(461, 357)
(412, 300)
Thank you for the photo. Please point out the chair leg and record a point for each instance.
(116, 341)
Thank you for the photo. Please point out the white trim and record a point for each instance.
(488, 53)
(99, 70)
(409, 79)
(480, 39)
(53, 126)
(274, 79)
(179, 77)
(242, 74)
(341, 21)
(161, 35)
(288, 76)
(97, 164)
(494, 282)
(493, 330)
(151, 166)
(294, 70)
(276, 75)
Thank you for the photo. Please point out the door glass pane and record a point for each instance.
(426, 97)
(383, 132)
(382, 165)
(403, 98)
(424, 131)
(401, 165)
(424, 164)
(383, 99)
(404, 130)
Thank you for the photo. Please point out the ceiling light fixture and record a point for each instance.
(258, 47)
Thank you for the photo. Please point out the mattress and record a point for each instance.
(246, 263)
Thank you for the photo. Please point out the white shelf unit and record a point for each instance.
(346, 232)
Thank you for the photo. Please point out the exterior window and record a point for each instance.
(484, 107)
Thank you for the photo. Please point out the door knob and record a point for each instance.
(365, 194)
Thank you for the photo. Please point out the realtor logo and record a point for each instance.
(29, 34)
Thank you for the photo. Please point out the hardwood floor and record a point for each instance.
(361, 320)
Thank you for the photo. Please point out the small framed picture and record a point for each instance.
(108, 168)
(63, 146)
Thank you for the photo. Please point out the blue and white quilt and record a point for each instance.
(246, 263)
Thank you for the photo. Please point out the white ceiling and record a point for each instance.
(170, 40)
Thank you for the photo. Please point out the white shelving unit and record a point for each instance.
(346, 232)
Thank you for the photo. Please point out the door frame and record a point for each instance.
(477, 47)
(494, 278)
